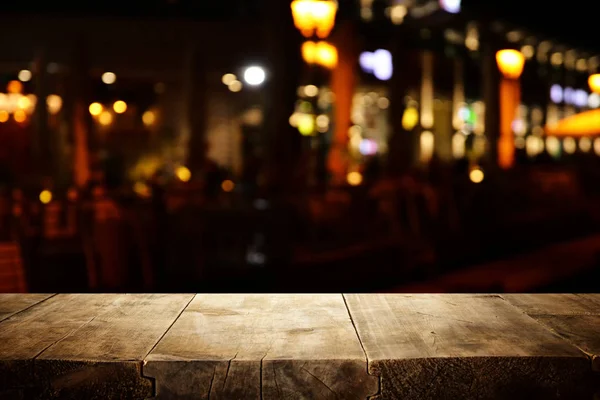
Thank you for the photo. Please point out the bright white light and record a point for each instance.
(378, 63)
(367, 147)
(556, 94)
(109, 78)
(255, 76)
(25, 75)
(594, 100)
(451, 6)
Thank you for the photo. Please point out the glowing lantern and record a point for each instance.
(510, 63)
(321, 53)
(314, 15)
(594, 82)
(410, 119)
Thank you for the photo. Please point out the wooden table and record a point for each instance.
(331, 346)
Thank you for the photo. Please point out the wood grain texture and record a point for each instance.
(261, 346)
(29, 333)
(465, 346)
(574, 317)
(555, 304)
(13, 303)
(103, 358)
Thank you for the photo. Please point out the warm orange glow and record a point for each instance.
(54, 103)
(105, 118)
(46, 196)
(183, 174)
(354, 178)
(96, 109)
(583, 124)
(510, 63)
(314, 15)
(14, 87)
(120, 106)
(149, 118)
(20, 116)
(228, 186)
(321, 53)
(3, 116)
(510, 98)
(594, 82)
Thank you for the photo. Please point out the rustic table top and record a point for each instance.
(299, 346)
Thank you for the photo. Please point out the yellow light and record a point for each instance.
(46, 196)
(3, 116)
(354, 178)
(476, 175)
(586, 123)
(311, 91)
(306, 124)
(96, 109)
(228, 186)
(327, 55)
(54, 103)
(141, 189)
(24, 75)
(410, 118)
(20, 116)
(183, 174)
(510, 63)
(149, 118)
(235, 86)
(314, 15)
(14, 87)
(105, 118)
(109, 78)
(120, 106)
(594, 82)
(228, 79)
(321, 53)
(23, 103)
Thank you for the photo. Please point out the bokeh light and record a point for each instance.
(120, 106)
(96, 109)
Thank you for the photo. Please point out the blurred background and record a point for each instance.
(305, 146)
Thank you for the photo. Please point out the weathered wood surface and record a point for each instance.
(300, 346)
(13, 303)
(465, 346)
(85, 346)
(575, 317)
(262, 346)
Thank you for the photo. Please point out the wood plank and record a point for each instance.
(575, 317)
(261, 346)
(555, 304)
(29, 333)
(103, 358)
(467, 347)
(13, 303)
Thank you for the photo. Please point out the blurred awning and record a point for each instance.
(583, 124)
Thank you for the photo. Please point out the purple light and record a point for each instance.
(378, 63)
(580, 98)
(451, 6)
(366, 62)
(367, 147)
(568, 95)
(556, 94)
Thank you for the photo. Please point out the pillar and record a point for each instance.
(427, 137)
(343, 83)
(42, 141)
(283, 65)
(76, 105)
(195, 94)
(491, 95)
